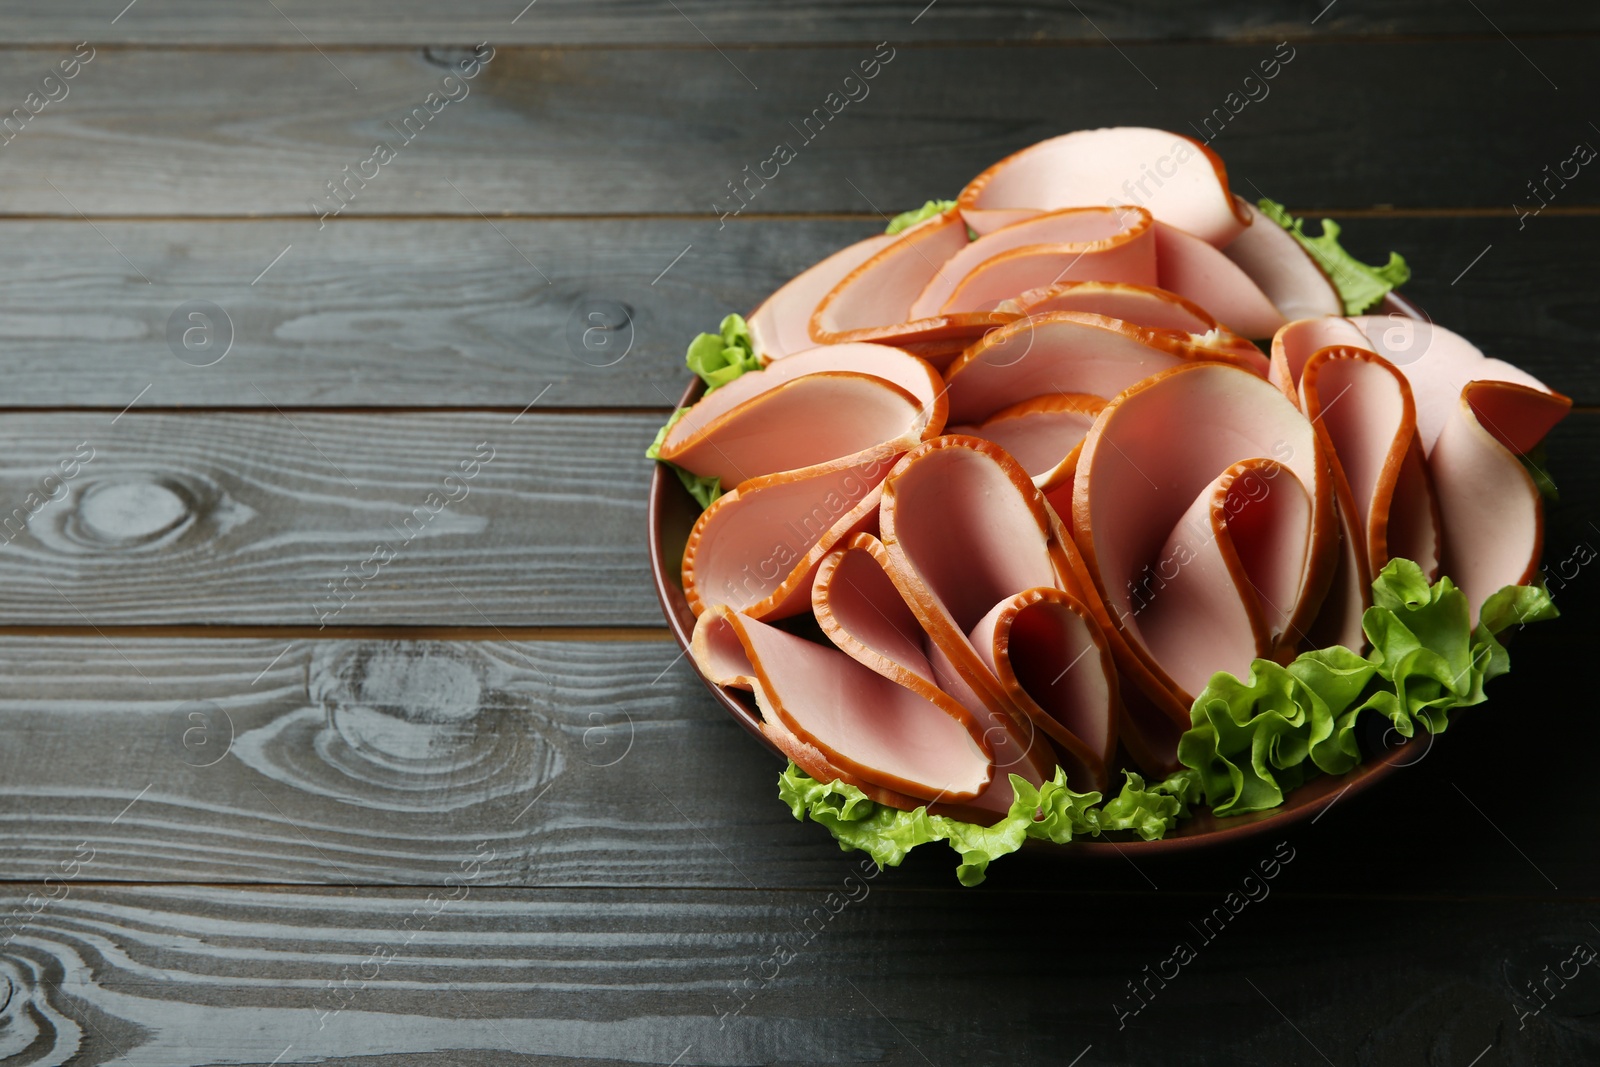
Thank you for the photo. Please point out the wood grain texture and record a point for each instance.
(169, 22)
(248, 518)
(381, 761)
(855, 974)
(364, 761)
(416, 313)
(383, 313)
(212, 519)
(261, 132)
(450, 852)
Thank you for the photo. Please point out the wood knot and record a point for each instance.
(405, 725)
(137, 512)
(32, 1029)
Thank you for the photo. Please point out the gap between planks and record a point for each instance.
(312, 409)
(1087, 42)
(245, 631)
(335, 889)
(378, 410)
(1378, 211)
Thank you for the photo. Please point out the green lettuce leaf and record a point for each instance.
(1051, 812)
(1249, 738)
(718, 358)
(1360, 286)
(1533, 461)
(907, 219)
(1422, 646)
(1251, 741)
(705, 490)
(1150, 813)
(1514, 605)
(654, 451)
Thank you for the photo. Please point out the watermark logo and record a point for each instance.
(600, 332)
(1402, 340)
(202, 733)
(200, 333)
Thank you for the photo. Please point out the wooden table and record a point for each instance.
(316, 749)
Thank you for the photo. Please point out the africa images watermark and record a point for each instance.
(1582, 955)
(56, 888)
(1255, 89)
(811, 927)
(344, 191)
(52, 88)
(1154, 174)
(1252, 889)
(453, 489)
(811, 126)
(1582, 155)
(336, 996)
(1254, 485)
(52, 488)
(808, 529)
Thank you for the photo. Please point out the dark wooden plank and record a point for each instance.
(855, 973)
(382, 313)
(582, 763)
(1524, 290)
(170, 22)
(250, 517)
(360, 761)
(247, 132)
(447, 313)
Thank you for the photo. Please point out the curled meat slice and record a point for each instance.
(1142, 305)
(781, 326)
(1492, 514)
(873, 302)
(803, 422)
(1298, 341)
(1084, 243)
(781, 427)
(893, 365)
(857, 720)
(1439, 363)
(1046, 650)
(1043, 434)
(757, 548)
(1177, 179)
(1285, 271)
(1220, 590)
(1459, 499)
(1190, 267)
(1157, 461)
(966, 532)
(859, 608)
(1363, 412)
(1062, 352)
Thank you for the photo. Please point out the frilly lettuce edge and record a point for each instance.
(1251, 741)
(1360, 286)
(704, 490)
(1050, 812)
(717, 358)
(907, 219)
